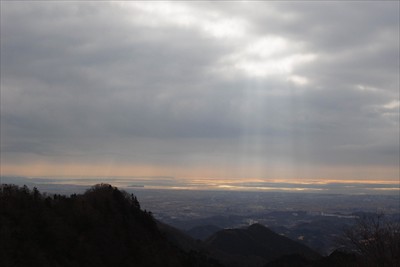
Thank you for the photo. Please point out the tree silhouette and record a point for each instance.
(102, 227)
(375, 239)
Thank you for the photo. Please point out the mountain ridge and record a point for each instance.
(103, 227)
(255, 245)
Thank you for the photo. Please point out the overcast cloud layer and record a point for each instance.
(240, 89)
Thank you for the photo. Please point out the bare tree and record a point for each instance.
(375, 239)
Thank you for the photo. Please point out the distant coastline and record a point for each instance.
(171, 183)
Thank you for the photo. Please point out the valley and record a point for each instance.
(315, 220)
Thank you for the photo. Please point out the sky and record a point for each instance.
(225, 91)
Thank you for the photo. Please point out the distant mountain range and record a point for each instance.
(247, 247)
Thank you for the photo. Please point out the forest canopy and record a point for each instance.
(102, 227)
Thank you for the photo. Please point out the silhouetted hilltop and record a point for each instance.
(254, 246)
(102, 227)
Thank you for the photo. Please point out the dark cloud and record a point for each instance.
(301, 83)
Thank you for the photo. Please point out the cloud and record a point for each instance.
(249, 85)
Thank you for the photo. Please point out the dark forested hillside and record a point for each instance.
(102, 227)
(254, 246)
(107, 227)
